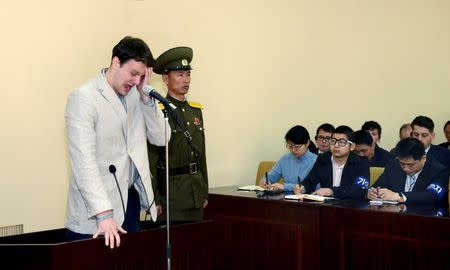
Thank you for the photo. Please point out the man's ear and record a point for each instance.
(115, 62)
(352, 147)
(432, 135)
(165, 78)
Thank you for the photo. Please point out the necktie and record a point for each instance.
(412, 182)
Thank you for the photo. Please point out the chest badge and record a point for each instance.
(197, 121)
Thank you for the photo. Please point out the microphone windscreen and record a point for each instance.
(148, 88)
(112, 168)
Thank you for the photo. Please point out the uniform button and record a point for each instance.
(201, 128)
(188, 123)
(182, 109)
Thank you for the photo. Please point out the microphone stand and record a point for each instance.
(168, 250)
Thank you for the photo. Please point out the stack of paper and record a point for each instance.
(251, 188)
(309, 197)
(380, 202)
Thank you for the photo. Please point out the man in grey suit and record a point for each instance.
(109, 119)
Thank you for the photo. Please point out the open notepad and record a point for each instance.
(309, 197)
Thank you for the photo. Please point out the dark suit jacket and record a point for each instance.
(440, 154)
(444, 144)
(381, 157)
(394, 179)
(354, 175)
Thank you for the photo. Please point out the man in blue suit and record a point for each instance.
(423, 130)
(412, 178)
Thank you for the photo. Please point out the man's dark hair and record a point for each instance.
(410, 148)
(346, 130)
(371, 125)
(325, 127)
(446, 124)
(297, 135)
(133, 48)
(423, 121)
(362, 137)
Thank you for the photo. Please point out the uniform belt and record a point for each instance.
(188, 169)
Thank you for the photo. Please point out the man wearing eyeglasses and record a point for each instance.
(411, 178)
(293, 166)
(341, 173)
(322, 138)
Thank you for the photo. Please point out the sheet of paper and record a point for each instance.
(380, 202)
(251, 188)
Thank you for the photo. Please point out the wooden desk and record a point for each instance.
(142, 250)
(271, 233)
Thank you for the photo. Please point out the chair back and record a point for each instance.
(375, 173)
(263, 167)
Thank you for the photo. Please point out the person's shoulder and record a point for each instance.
(444, 144)
(382, 151)
(311, 155)
(440, 150)
(86, 89)
(354, 158)
(286, 156)
(195, 105)
(435, 166)
(324, 157)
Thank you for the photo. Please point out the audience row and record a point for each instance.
(415, 170)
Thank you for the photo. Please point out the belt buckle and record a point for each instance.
(192, 168)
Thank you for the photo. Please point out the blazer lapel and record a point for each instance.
(422, 182)
(109, 94)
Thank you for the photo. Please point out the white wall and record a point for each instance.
(259, 68)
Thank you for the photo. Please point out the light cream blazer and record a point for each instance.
(101, 133)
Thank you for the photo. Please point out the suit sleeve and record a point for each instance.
(275, 173)
(434, 193)
(312, 179)
(80, 121)
(357, 187)
(154, 122)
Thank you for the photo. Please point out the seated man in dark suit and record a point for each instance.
(423, 130)
(375, 131)
(365, 147)
(341, 173)
(411, 178)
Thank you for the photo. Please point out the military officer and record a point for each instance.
(188, 176)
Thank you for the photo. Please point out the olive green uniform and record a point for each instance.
(188, 176)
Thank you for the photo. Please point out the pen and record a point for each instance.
(378, 190)
(267, 181)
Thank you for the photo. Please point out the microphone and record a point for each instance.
(148, 89)
(112, 170)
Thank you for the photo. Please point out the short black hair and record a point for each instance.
(446, 124)
(362, 137)
(133, 48)
(325, 127)
(371, 125)
(346, 130)
(297, 135)
(423, 121)
(410, 148)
